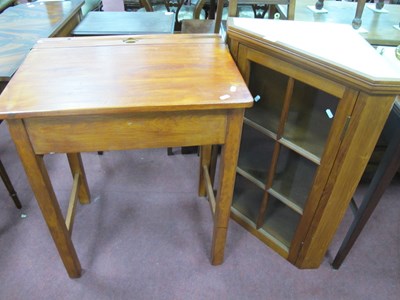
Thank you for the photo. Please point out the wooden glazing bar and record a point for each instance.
(285, 108)
(268, 184)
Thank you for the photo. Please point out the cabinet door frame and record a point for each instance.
(347, 98)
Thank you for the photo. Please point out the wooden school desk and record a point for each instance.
(76, 105)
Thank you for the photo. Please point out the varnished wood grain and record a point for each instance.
(318, 55)
(346, 173)
(149, 82)
(119, 103)
(365, 93)
(344, 110)
(229, 156)
(123, 40)
(41, 185)
(22, 25)
(280, 64)
(120, 131)
(76, 166)
(70, 217)
(205, 160)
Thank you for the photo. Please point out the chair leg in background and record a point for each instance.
(385, 172)
(9, 186)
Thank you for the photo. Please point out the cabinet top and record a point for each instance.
(338, 46)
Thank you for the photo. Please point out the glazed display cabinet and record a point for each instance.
(321, 101)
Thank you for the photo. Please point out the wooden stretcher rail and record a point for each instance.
(69, 220)
(209, 188)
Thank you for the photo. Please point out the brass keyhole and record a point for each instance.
(130, 40)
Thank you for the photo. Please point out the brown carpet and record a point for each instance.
(147, 235)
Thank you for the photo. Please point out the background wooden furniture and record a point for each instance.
(118, 23)
(247, 9)
(289, 5)
(178, 7)
(87, 6)
(125, 104)
(22, 25)
(9, 186)
(218, 12)
(389, 165)
(3, 173)
(307, 140)
(379, 26)
(196, 25)
(7, 183)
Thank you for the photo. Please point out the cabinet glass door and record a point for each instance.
(255, 157)
(284, 137)
(309, 120)
(269, 98)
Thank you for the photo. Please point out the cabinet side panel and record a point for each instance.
(243, 63)
(367, 121)
(233, 47)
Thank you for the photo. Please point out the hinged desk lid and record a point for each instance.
(119, 74)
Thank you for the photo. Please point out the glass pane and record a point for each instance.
(255, 153)
(247, 198)
(280, 221)
(293, 178)
(268, 88)
(310, 118)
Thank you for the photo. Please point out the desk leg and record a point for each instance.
(76, 165)
(45, 196)
(227, 175)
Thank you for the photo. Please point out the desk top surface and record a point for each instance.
(379, 26)
(118, 74)
(112, 23)
(22, 25)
